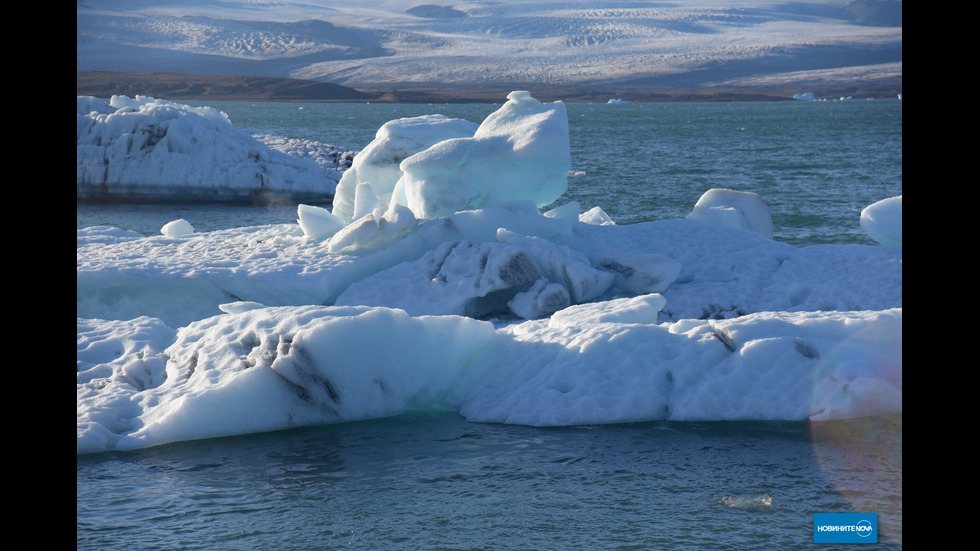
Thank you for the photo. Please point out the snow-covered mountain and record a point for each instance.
(380, 44)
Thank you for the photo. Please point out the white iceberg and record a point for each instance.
(520, 152)
(883, 221)
(735, 209)
(147, 150)
(378, 163)
(318, 222)
(177, 228)
(496, 311)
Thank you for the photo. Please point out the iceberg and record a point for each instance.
(882, 220)
(520, 152)
(177, 228)
(147, 150)
(736, 209)
(465, 290)
(378, 164)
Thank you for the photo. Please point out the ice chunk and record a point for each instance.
(317, 222)
(736, 209)
(356, 235)
(568, 211)
(378, 162)
(597, 217)
(562, 265)
(397, 221)
(148, 149)
(365, 201)
(883, 221)
(641, 273)
(640, 309)
(458, 277)
(541, 300)
(520, 152)
(373, 230)
(240, 306)
(177, 228)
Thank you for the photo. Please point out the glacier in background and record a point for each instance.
(585, 44)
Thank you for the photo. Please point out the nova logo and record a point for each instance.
(845, 528)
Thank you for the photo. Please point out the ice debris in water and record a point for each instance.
(177, 228)
(764, 500)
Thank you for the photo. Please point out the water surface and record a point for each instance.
(432, 480)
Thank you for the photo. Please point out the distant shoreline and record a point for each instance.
(174, 86)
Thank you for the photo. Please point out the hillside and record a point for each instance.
(406, 50)
(176, 86)
(212, 87)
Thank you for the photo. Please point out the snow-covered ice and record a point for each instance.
(738, 209)
(145, 149)
(177, 228)
(491, 308)
(520, 152)
(378, 164)
(882, 220)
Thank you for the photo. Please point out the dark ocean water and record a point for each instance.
(432, 480)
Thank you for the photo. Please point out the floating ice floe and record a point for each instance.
(453, 283)
(147, 150)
